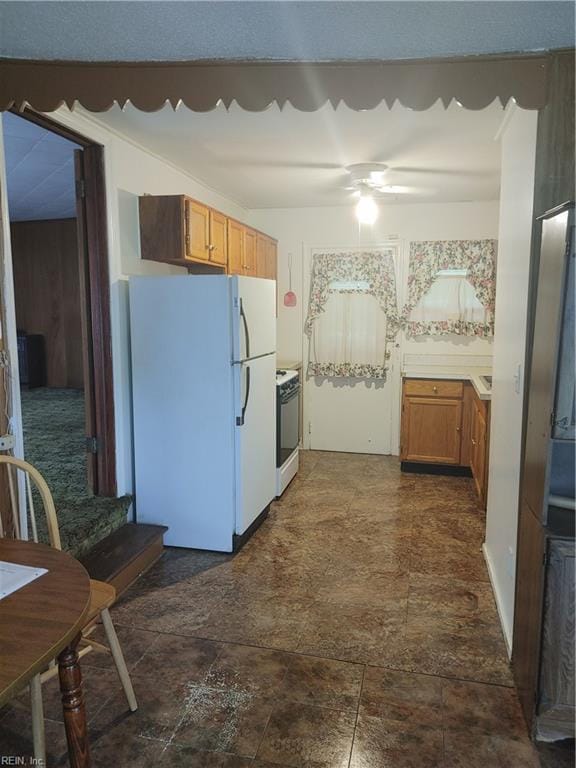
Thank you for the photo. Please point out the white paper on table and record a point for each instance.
(14, 576)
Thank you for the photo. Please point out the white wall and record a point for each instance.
(297, 230)
(132, 171)
(518, 155)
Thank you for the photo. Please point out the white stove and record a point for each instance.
(287, 427)
(283, 376)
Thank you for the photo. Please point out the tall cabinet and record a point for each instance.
(543, 647)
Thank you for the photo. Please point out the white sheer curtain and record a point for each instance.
(451, 298)
(349, 338)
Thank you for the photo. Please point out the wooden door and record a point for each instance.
(431, 430)
(218, 238)
(197, 230)
(261, 255)
(235, 248)
(250, 262)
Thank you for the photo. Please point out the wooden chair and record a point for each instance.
(102, 596)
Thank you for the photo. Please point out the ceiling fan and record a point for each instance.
(370, 178)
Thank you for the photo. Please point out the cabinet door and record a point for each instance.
(250, 253)
(431, 430)
(271, 267)
(218, 231)
(261, 255)
(197, 230)
(235, 248)
(478, 451)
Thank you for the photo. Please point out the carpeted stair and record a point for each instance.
(54, 442)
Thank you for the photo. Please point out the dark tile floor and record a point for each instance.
(356, 629)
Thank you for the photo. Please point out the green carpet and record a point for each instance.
(54, 442)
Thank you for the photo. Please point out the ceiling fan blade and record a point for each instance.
(285, 164)
(441, 171)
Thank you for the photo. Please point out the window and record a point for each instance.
(451, 288)
(451, 298)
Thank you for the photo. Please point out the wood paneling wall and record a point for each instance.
(47, 294)
(553, 185)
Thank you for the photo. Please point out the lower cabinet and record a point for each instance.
(431, 430)
(445, 423)
(479, 449)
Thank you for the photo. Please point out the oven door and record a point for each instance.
(288, 417)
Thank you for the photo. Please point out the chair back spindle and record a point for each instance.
(31, 474)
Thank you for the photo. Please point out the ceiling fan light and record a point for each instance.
(366, 210)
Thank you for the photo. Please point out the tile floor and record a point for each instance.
(356, 629)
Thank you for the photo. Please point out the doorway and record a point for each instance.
(56, 205)
(367, 419)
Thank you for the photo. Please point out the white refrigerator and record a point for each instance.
(204, 405)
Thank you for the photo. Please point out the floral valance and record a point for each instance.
(427, 258)
(373, 268)
(349, 337)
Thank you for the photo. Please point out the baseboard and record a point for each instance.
(497, 599)
(238, 540)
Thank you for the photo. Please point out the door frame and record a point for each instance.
(95, 299)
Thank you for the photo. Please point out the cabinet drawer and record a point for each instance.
(433, 388)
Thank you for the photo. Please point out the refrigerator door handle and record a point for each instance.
(246, 332)
(240, 419)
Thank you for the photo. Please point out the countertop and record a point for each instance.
(288, 366)
(471, 374)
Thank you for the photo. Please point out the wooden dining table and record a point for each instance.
(40, 622)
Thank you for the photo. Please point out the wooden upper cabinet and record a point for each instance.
(218, 238)
(250, 264)
(271, 259)
(197, 230)
(261, 254)
(162, 227)
(431, 429)
(265, 256)
(179, 230)
(236, 249)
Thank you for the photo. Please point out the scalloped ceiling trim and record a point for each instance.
(473, 82)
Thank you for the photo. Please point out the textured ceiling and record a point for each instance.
(39, 171)
(287, 158)
(314, 31)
